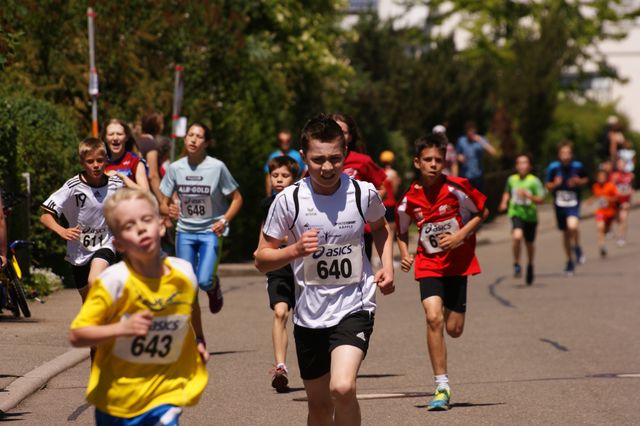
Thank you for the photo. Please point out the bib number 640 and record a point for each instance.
(337, 268)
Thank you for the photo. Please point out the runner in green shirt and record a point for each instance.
(520, 198)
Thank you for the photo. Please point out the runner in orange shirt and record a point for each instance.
(606, 195)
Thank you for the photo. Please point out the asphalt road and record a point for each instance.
(554, 353)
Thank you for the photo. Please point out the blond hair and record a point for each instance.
(89, 145)
(124, 194)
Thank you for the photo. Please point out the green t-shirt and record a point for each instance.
(520, 207)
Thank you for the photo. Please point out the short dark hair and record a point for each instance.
(321, 128)
(284, 161)
(357, 142)
(152, 122)
(432, 140)
(564, 143)
(527, 155)
(208, 136)
(470, 125)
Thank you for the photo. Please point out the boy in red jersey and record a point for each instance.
(606, 195)
(447, 211)
(623, 180)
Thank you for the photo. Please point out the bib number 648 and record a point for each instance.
(338, 268)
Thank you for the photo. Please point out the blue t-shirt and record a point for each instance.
(564, 195)
(291, 153)
(202, 189)
(473, 152)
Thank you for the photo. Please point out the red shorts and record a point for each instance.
(607, 219)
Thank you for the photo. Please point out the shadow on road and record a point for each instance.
(12, 417)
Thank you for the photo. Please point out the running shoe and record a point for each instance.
(280, 380)
(569, 269)
(530, 276)
(216, 300)
(441, 398)
(603, 253)
(517, 270)
(621, 242)
(580, 257)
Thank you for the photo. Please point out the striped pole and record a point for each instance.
(93, 73)
(177, 105)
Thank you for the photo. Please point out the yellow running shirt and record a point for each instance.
(131, 375)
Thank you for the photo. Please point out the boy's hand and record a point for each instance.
(137, 324)
(71, 234)
(448, 241)
(406, 263)
(557, 181)
(202, 350)
(384, 280)
(503, 207)
(174, 211)
(308, 243)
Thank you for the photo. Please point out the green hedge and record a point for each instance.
(39, 138)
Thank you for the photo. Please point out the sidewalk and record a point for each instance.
(34, 350)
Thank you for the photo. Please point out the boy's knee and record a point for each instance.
(455, 331)
(342, 389)
(281, 312)
(435, 320)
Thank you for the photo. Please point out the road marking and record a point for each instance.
(629, 376)
(367, 396)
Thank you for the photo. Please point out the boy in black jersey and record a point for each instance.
(283, 171)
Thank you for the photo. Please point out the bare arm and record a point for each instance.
(136, 325)
(451, 241)
(405, 255)
(267, 185)
(383, 240)
(141, 176)
(504, 202)
(269, 256)
(196, 323)
(154, 175)
(232, 211)
(68, 234)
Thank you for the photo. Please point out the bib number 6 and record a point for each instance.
(337, 268)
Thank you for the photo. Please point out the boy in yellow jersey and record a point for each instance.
(143, 316)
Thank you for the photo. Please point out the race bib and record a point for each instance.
(334, 264)
(518, 199)
(162, 345)
(623, 188)
(430, 233)
(196, 207)
(566, 198)
(602, 202)
(93, 239)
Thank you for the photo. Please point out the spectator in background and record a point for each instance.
(392, 184)
(450, 157)
(360, 166)
(628, 155)
(284, 142)
(3, 235)
(151, 143)
(470, 149)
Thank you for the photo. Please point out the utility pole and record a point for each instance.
(93, 73)
(177, 105)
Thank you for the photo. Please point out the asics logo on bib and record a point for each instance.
(164, 325)
(431, 228)
(336, 251)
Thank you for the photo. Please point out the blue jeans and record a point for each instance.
(161, 415)
(202, 250)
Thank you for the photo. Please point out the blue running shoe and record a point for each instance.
(517, 270)
(441, 398)
(569, 269)
(580, 257)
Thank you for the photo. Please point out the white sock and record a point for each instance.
(281, 365)
(442, 380)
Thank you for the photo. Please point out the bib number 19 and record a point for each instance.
(338, 269)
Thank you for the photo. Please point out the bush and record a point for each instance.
(38, 138)
(42, 282)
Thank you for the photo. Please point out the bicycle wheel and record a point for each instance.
(20, 299)
(11, 302)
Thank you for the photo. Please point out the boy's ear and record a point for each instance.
(416, 163)
(118, 245)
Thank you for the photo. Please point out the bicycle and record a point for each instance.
(12, 295)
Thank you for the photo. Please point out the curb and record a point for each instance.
(37, 378)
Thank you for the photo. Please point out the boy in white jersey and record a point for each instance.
(139, 313)
(323, 218)
(80, 200)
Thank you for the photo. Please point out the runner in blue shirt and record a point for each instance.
(564, 178)
(203, 185)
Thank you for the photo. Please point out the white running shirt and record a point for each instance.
(337, 279)
(81, 204)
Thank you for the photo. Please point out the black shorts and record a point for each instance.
(452, 291)
(314, 345)
(81, 272)
(528, 228)
(390, 214)
(281, 287)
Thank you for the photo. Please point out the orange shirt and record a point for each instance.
(605, 194)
